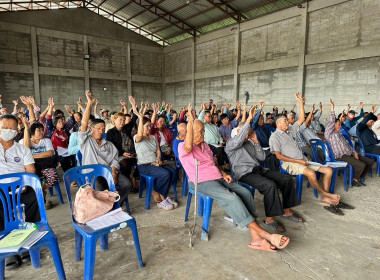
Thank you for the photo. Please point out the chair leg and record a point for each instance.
(175, 190)
(50, 191)
(127, 206)
(89, 258)
(104, 242)
(333, 179)
(142, 185)
(315, 191)
(35, 257)
(132, 225)
(188, 206)
(2, 269)
(78, 246)
(206, 218)
(345, 178)
(59, 193)
(55, 253)
(350, 175)
(299, 184)
(148, 194)
(184, 185)
(201, 206)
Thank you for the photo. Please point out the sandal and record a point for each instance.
(343, 205)
(275, 226)
(12, 262)
(275, 239)
(293, 218)
(264, 246)
(333, 209)
(165, 205)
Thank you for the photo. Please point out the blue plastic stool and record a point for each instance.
(83, 175)
(14, 212)
(59, 193)
(204, 209)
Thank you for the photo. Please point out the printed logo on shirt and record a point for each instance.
(17, 159)
(38, 150)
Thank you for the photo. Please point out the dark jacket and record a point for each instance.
(366, 134)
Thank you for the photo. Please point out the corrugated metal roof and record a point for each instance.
(166, 21)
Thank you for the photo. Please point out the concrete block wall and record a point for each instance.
(178, 94)
(60, 53)
(15, 48)
(147, 92)
(272, 41)
(146, 63)
(324, 49)
(43, 62)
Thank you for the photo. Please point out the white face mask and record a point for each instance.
(8, 134)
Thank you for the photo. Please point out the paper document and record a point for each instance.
(114, 217)
(314, 163)
(14, 240)
(335, 164)
(62, 152)
(267, 148)
(36, 236)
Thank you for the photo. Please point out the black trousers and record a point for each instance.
(271, 161)
(67, 162)
(361, 166)
(219, 153)
(268, 182)
(32, 212)
(376, 150)
(126, 167)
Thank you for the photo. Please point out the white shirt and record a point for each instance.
(15, 159)
(44, 145)
(376, 128)
(163, 141)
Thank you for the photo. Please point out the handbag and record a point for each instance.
(90, 204)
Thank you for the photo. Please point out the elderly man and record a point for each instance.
(181, 128)
(367, 135)
(343, 151)
(227, 125)
(96, 150)
(244, 152)
(212, 181)
(283, 144)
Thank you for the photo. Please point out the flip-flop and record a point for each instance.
(264, 246)
(333, 209)
(274, 226)
(12, 262)
(25, 257)
(275, 239)
(343, 205)
(293, 218)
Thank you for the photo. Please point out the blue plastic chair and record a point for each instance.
(371, 156)
(299, 181)
(59, 193)
(315, 143)
(82, 175)
(350, 168)
(185, 182)
(147, 181)
(204, 210)
(79, 158)
(13, 216)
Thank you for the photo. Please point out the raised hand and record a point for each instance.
(89, 96)
(373, 109)
(333, 105)
(261, 105)
(189, 112)
(147, 105)
(24, 100)
(298, 98)
(67, 108)
(15, 102)
(361, 105)
(132, 100)
(122, 102)
(238, 105)
(312, 109)
(163, 103)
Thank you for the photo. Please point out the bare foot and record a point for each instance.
(280, 241)
(262, 245)
(300, 220)
(156, 197)
(329, 200)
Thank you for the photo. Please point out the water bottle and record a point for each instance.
(362, 153)
(27, 225)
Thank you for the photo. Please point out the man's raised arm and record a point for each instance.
(87, 112)
(188, 146)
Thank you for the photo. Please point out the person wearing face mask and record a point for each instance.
(15, 158)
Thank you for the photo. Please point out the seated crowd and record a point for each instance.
(231, 145)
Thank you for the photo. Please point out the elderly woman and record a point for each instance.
(163, 135)
(343, 151)
(149, 163)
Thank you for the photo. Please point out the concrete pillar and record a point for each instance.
(129, 68)
(302, 53)
(193, 64)
(36, 77)
(237, 61)
(163, 87)
(86, 63)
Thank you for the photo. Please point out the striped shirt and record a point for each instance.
(338, 143)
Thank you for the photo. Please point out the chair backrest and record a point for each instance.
(104, 136)
(360, 143)
(10, 185)
(315, 143)
(88, 174)
(79, 158)
(332, 158)
(347, 136)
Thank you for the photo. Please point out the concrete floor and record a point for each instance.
(326, 246)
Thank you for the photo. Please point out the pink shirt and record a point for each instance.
(207, 169)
